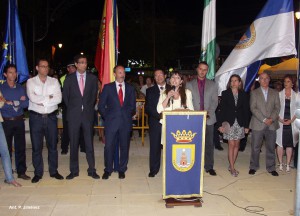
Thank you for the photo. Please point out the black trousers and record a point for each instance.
(86, 129)
(15, 129)
(40, 127)
(155, 147)
(65, 140)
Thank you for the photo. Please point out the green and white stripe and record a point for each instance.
(208, 42)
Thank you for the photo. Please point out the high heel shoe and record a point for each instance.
(234, 173)
(280, 167)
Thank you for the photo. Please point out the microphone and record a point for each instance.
(172, 88)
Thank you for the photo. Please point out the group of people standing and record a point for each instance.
(270, 117)
(80, 95)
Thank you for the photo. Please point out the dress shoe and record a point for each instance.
(36, 179)
(105, 175)
(72, 175)
(151, 174)
(220, 148)
(64, 152)
(274, 173)
(57, 176)
(252, 172)
(94, 175)
(24, 176)
(211, 172)
(121, 175)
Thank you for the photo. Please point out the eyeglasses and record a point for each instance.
(43, 66)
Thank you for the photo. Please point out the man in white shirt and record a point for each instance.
(44, 96)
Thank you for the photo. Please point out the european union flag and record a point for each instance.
(13, 50)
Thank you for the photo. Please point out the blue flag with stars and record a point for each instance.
(13, 50)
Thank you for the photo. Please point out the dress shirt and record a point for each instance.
(78, 77)
(162, 90)
(39, 95)
(13, 94)
(265, 93)
(123, 88)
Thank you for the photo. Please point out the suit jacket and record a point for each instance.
(74, 101)
(152, 97)
(262, 109)
(229, 111)
(111, 110)
(210, 98)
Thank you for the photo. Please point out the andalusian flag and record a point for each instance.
(208, 43)
(107, 47)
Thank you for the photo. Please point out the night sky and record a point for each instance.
(71, 19)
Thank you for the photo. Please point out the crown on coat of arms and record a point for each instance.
(184, 137)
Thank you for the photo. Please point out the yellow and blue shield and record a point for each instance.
(183, 157)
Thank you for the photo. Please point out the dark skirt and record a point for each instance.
(287, 136)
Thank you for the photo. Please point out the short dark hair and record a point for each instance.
(115, 68)
(41, 59)
(77, 57)
(9, 66)
(203, 62)
(159, 69)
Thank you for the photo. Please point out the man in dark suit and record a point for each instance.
(152, 98)
(117, 106)
(80, 94)
(65, 140)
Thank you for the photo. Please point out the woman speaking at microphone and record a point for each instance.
(176, 96)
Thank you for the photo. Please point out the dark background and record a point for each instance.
(161, 33)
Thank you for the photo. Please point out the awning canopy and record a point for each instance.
(280, 70)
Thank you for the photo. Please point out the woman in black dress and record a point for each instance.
(233, 118)
(287, 135)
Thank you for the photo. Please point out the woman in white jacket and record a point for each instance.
(287, 135)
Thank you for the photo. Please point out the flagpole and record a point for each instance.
(297, 208)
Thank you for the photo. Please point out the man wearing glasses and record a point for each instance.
(44, 95)
(80, 95)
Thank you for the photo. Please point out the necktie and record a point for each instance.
(81, 84)
(201, 93)
(121, 94)
(161, 88)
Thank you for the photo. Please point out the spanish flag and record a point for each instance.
(107, 46)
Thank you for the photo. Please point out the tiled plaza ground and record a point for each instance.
(139, 195)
